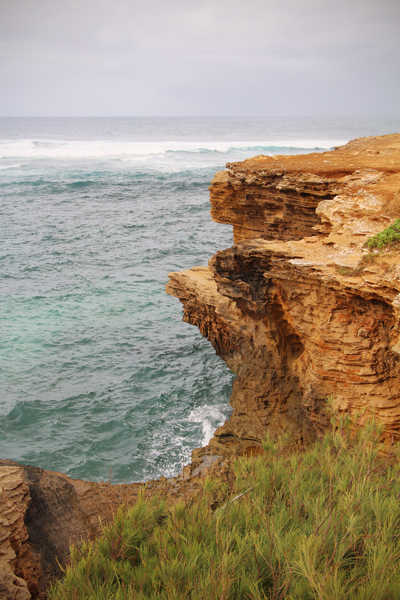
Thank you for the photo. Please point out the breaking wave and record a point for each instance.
(60, 149)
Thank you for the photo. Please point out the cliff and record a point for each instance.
(299, 308)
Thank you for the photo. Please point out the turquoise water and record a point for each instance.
(98, 372)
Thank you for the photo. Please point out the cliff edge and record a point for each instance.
(299, 308)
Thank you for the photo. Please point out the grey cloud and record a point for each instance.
(176, 57)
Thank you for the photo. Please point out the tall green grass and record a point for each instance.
(323, 523)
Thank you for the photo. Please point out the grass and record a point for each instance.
(322, 523)
(366, 260)
(349, 271)
(387, 237)
(384, 240)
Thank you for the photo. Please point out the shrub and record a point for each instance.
(316, 524)
(390, 235)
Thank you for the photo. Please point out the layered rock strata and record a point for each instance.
(41, 514)
(14, 498)
(298, 308)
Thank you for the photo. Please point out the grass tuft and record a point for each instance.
(366, 260)
(323, 524)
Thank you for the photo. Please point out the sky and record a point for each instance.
(199, 58)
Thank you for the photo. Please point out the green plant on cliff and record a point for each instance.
(389, 236)
(317, 524)
(366, 260)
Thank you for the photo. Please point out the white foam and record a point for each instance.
(4, 167)
(210, 417)
(59, 149)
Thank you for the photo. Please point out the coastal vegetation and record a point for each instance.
(366, 260)
(317, 523)
(387, 237)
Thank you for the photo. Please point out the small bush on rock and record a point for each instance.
(390, 235)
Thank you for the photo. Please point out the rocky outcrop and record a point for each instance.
(14, 498)
(298, 308)
(279, 197)
(41, 514)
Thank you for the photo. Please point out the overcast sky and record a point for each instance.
(199, 58)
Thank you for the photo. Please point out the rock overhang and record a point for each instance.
(291, 296)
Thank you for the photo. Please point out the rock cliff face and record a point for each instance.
(14, 498)
(41, 514)
(298, 308)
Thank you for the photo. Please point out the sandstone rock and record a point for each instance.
(41, 514)
(14, 497)
(299, 316)
(289, 197)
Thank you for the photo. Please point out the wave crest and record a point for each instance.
(135, 150)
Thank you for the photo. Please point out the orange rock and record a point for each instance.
(297, 315)
(14, 498)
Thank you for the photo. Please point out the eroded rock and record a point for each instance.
(293, 307)
(14, 499)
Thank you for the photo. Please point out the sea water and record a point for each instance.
(99, 376)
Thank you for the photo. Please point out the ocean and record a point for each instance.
(100, 378)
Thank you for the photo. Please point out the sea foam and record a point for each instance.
(52, 149)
